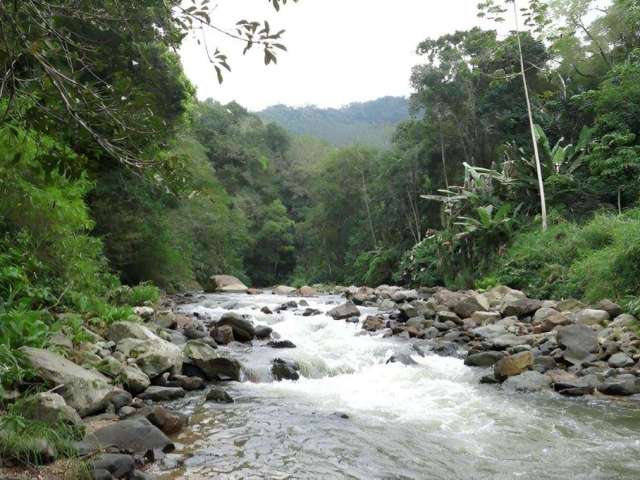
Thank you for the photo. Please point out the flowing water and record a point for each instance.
(432, 420)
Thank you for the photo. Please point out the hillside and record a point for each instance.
(367, 123)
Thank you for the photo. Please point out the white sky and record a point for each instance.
(340, 51)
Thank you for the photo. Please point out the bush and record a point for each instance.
(600, 259)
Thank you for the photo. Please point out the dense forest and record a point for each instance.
(362, 123)
(113, 174)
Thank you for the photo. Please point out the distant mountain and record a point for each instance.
(367, 123)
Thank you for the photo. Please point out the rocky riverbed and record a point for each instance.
(356, 383)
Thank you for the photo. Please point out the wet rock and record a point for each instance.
(620, 360)
(622, 385)
(266, 310)
(407, 311)
(591, 317)
(169, 422)
(569, 384)
(118, 465)
(219, 396)
(134, 379)
(243, 330)
(137, 435)
(223, 335)
(311, 312)
(166, 319)
(50, 408)
(195, 330)
(214, 366)
(189, 383)
(402, 358)
(83, 390)
(512, 365)
(489, 380)
(530, 381)
(284, 370)
(483, 359)
(263, 331)
(225, 283)
(254, 291)
(281, 344)
(160, 394)
(521, 308)
(345, 311)
(509, 340)
(374, 323)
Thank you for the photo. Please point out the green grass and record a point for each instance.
(21, 439)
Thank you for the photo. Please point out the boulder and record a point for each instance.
(243, 329)
(569, 384)
(483, 359)
(161, 394)
(210, 363)
(118, 331)
(485, 318)
(620, 360)
(263, 331)
(145, 313)
(223, 335)
(580, 340)
(154, 355)
(471, 304)
(225, 283)
(447, 316)
(134, 379)
(530, 381)
(284, 369)
(218, 395)
(137, 435)
(613, 309)
(622, 385)
(166, 319)
(345, 311)
(512, 365)
(373, 324)
(84, 390)
(623, 320)
(551, 322)
(590, 317)
(307, 291)
(195, 330)
(118, 465)
(281, 344)
(500, 295)
(283, 290)
(520, 308)
(542, 314)
(50, 408)
(169, 422)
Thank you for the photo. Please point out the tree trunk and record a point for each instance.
(543, 202)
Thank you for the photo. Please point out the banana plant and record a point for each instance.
(488, 221)
(563, 160)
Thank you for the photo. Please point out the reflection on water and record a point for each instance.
(428, 421)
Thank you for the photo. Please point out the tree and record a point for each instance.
(535, 15)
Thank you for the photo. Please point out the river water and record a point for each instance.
(432, 420)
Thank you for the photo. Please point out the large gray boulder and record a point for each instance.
(134, 379)
(342, 312)
(578, 338)
(483, 359)
(590, 316)
(151, 353)
(225, 283)
(520, 308)
(214, 366)
(471, 304)
(137, 435)
(243, 329)
(530, 381)
(120, 330)
(512, 365)
(283, 290)
(50, 408)
(84, 390)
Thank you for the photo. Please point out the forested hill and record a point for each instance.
(363, 123)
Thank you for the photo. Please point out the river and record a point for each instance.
(353, 415)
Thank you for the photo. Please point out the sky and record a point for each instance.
(339, 51)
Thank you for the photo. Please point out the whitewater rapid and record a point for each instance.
(353, 415)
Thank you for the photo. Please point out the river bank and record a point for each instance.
(266, 385)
